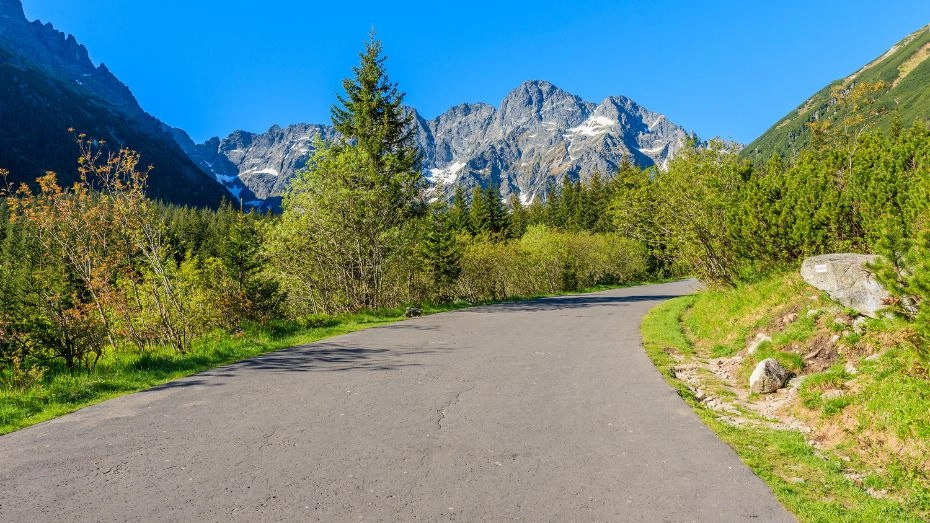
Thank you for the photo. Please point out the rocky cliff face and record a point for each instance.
(541, 133)
(256, 168)
(50, 85)
(538, 134)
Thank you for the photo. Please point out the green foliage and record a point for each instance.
(546, 261)
(442, 253)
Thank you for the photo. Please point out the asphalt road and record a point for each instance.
(542, 411)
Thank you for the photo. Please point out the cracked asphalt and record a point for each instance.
(545, 410)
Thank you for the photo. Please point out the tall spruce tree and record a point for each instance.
(441, 252)
(496, 211)
(518, 218)
(371, 119)
(480, 212)
(459, 212)
(345, 216)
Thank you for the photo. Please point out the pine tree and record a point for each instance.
(371, 118)
(441, 252)
(459, 213)
(495, 205)
(347, 215)
(518, 218)
(480, 214)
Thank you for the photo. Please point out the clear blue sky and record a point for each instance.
(720, 68)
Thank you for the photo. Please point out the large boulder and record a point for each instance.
(847, 280)
(768, 376)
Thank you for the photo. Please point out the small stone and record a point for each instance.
(795, 480)
(873, 357)
(831, 395)
(756, 342)
(851, 369)
(834, 339)
(858, 325)
(768, 376)
(841, 322)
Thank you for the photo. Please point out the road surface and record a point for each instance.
(545, 410)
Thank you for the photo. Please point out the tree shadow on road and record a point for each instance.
(328, 357)
(569, 302)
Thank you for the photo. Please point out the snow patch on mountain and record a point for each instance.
(594, 126)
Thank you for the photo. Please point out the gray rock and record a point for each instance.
(845, 278)
(256, 168)
(858, 325)
(851, 369)
(768, 376)
(756, 342)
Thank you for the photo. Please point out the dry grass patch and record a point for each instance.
(911, 63)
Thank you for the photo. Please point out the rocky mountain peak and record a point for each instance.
(12, 9)
(542, 102)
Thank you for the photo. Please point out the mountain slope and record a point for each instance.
(538, 134)
(905, 71)
(50, 85)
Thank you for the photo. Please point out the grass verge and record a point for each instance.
(869, 463)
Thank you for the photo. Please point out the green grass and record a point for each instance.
(887, 400)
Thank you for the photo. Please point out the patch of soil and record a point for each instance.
(821, 353)
(786, 318)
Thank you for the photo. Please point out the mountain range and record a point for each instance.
(904, 72)
(535, 136)
(538, 134)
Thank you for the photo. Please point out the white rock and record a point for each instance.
(768, 376)
(831, 394)
(851, 369)
(756, 342)
(845, 278)
(858, 325)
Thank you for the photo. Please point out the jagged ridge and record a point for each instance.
(538, 134)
